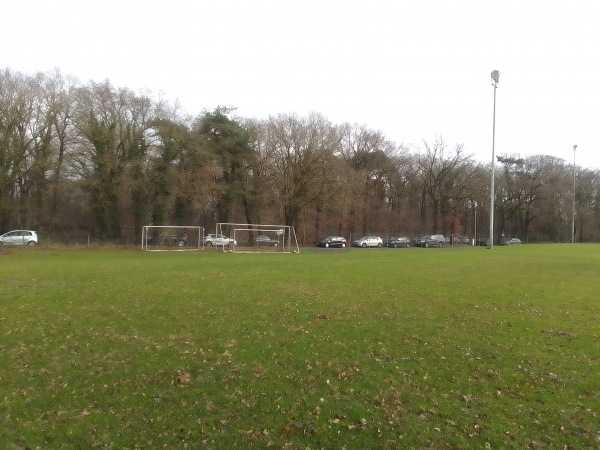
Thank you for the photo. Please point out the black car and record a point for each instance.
(263, 240)
(430, 240)
(332, 241)
(398, 241)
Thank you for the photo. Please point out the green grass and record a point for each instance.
(407, 348)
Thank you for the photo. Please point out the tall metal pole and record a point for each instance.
(495, 77)
(573, 215)
(475, 234)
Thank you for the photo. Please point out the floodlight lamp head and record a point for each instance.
(575, 147)
(495, 76)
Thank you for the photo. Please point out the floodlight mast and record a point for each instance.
(495, 77)
(573, 216)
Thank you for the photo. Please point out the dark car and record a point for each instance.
(482, 242)
(455, 240)
(511, 241)
(430, 240)
(398, 241)
(262, 240)
(332, 241)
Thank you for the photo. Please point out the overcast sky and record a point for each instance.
(414, 70)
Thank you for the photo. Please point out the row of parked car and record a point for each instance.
(429, 240)
(377, 241)
(29, 237)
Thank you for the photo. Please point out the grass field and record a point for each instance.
(407, 348)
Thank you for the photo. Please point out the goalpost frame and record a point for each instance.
(286, 231)
(189, 228)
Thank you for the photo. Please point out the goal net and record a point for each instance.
(254, 238)
(170, 238)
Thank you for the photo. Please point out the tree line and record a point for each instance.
(98, 160)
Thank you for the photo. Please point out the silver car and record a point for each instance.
(218, 239)
(368, 241)
(19, 237)
(511, 241)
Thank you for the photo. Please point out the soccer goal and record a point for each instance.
(254, 238)
(171, 238)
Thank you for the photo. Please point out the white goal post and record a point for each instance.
(255, 238)
(157, 238)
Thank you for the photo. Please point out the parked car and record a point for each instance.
(332, 241)
(483, 242)
(430, 240)
(19, 237)
(167, 240)
(454, 240)
(398, 241)
(368, 241)
(218, 239)
(511, 241)
(262, 240)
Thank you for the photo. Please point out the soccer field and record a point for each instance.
(354, 348)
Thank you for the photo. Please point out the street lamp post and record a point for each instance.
(495, 78)
(573, 215)
(475, 226)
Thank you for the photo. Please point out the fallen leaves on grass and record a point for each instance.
(181, 378)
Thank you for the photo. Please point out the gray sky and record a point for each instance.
(414, 70)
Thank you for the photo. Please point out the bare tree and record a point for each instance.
(259, 181)
(25, 149)
(445, 181)
(302, 149)
(369, 154)
(587, 201)
(58, 93)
